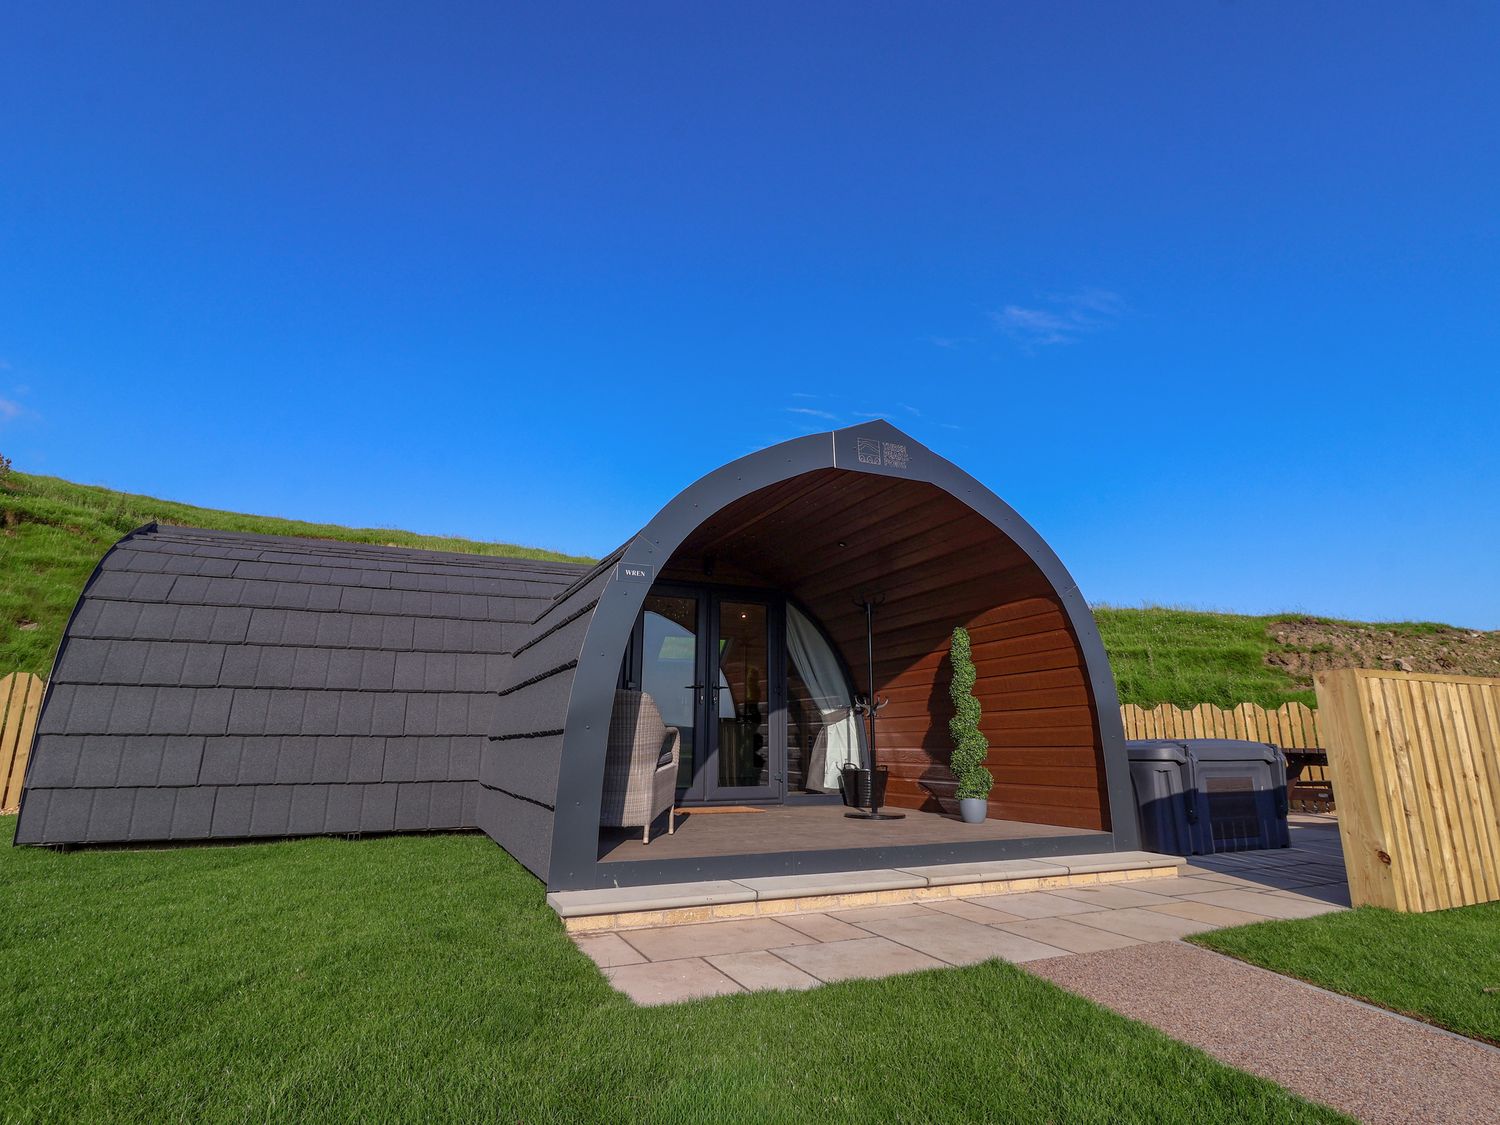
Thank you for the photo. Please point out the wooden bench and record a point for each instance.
(1309, 795)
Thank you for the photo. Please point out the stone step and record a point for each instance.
(620, 908)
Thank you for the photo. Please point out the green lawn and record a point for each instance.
(1434, 966)
(423, 978)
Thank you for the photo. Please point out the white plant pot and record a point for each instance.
(973, 809)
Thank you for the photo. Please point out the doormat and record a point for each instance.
(720, 809)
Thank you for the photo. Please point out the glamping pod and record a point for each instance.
(685, 710)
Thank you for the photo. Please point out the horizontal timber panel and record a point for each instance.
(1073, 756)
(913, 526)
(916, 698)
(931, 663)
(1080, 810)
(1012, 618)
(981, 575)
(937, 742)
(1055, 777)
(1069, 676)
(916, 562)
(999, 727)
(1066, 816)
(947, 599)
(720, 533)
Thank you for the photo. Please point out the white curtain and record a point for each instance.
(842, 740)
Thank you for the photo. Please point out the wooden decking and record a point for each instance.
(787, 828)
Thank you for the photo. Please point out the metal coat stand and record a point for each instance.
(869, 708)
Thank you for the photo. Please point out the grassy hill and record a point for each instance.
(1187, 657)
(53, 532)
(1183, 656)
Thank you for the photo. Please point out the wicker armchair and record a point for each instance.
(640, 768)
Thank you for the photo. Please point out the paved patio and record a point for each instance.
(667, 964)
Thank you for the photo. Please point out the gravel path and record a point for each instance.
(1371, 1064)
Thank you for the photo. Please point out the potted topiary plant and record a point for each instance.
(969, 745)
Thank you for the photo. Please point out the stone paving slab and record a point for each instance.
(1188, 885)
(1203, 912)
(1064, 933)
(608, 950)
(670, 982)
(959, 941)
(1373, 1065)
(1111, 897)
(1335, 893)
(707, 939)
(973, 911)
(1144, 923)
(762, 971)
(1223, 879)
(1269, 903)
(859, 957)
(1035, 904)
(823, 927)
(862, 914)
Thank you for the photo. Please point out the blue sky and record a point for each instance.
(1209, 292)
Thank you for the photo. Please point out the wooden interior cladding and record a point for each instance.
(828, 537)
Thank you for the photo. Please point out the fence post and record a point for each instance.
(20, 704)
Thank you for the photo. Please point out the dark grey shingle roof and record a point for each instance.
(220, 685)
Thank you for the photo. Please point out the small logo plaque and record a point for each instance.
(894, 455)
(635, 572)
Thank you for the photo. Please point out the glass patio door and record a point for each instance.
(711, 663)
(744, 760)
(670, 673)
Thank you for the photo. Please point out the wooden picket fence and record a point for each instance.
(1292, 726)
(20, 704)
(1416, 759)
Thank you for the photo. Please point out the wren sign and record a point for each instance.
(635, 572)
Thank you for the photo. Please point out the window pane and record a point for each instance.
(743, 711)
(669, 668)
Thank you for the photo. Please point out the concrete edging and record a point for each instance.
(623, 908)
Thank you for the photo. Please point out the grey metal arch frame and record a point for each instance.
(875, 447)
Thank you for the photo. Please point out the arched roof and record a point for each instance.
(221, 685)
(541, 776)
